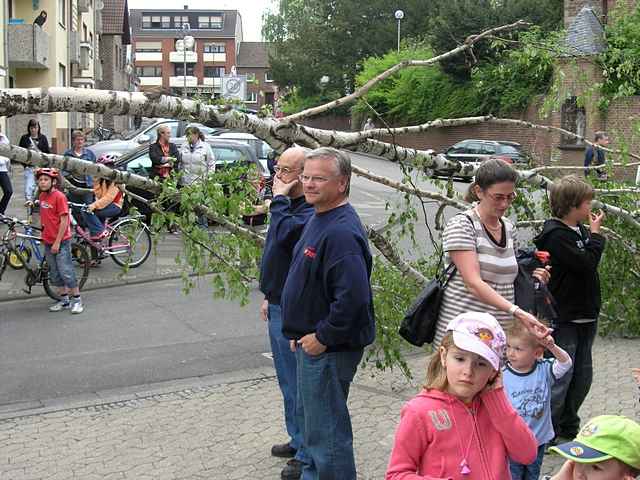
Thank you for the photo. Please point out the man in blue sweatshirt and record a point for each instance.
(289, 214)
(327, 312)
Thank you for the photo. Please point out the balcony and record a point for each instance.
(86, 55)
(212, 82)
(74, 48)
(215, 57)
(151, 81)
(83, 6)
(179, 81)
(179, 57)
(28, 47)
(148, 56)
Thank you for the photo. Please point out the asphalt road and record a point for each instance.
(142, 334)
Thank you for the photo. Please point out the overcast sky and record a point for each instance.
(250, 10)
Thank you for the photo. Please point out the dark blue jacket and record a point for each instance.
(328, 289)
(288, 218)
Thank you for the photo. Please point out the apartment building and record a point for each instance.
(118, 72)
(158, 61)
(253, 61)
(60, 49)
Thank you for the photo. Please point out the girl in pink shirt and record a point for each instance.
(462, 426)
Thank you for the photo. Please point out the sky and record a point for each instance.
(250, 10)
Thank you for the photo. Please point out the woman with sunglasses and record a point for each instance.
(481, 243)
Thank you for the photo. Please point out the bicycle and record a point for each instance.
(27, 246)
(99, 133)
(127, 240)
(40, 273)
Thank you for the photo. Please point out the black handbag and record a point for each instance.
(419, 323)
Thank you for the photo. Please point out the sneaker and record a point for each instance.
(77, 307)
(283, 450)
(59, 306)
(292, 470)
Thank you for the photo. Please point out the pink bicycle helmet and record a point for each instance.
(107, 159)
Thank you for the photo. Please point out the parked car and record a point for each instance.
(228, 153)
(263, 150)
(477, 151)
(145, 135)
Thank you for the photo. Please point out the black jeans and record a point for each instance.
(7, 191)
(568, 393)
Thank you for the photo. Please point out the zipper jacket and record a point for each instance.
(437, 431)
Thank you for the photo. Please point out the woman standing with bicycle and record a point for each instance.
(108, 202)
(56, 236)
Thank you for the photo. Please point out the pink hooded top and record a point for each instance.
(437, 431)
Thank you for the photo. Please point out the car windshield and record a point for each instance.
(508, 149)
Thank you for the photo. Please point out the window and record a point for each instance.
(267, 76)
(166, 22)
(214, 72)
(149, 71)
(62, 75)
(62, 12)
(140, 165)
(146, 21)
(84, 32)
(253, 97)
(251, 77)
(180, 70)
(214, 48)
(212, 22)
(148, 47)
(156, 21)
(178, 21)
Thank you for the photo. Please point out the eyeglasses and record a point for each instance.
(285, 170)
(500, 197)
(308, 179)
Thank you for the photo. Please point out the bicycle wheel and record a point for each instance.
(81, 261)
(130, 243)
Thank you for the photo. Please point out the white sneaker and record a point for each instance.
(77, 307)
(59, 306)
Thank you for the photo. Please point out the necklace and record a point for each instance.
(493, 229)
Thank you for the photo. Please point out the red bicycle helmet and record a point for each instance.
(107, 159)
(54, 173)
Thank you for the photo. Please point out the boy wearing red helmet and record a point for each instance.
(56, 236)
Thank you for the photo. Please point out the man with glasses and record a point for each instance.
(289, 214)
(327, 313)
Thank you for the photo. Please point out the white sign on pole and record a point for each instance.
(234, 86)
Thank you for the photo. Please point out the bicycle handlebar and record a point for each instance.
(11, 221)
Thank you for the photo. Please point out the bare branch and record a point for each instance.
(467, 45)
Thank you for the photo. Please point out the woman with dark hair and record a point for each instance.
(5, 179)
(32, 140)
(481, 243)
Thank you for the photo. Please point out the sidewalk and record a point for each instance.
(160, 264)
(203, 429)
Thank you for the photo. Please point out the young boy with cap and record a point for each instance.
(607, 448)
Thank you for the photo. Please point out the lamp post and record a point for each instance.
(185, 44)
(399, 16)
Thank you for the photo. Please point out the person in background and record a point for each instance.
(527, 379)
(163, 154)
(108, 201)
(594, 156)
(78, 150)
(5, 178)
(32, 140)
(197, 162)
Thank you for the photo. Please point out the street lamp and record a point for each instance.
(186, 43)
(399, 16)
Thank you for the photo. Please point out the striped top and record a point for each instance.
(498, 268)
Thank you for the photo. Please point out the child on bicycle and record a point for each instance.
(56, 236)
(108, 201)
(462, 425)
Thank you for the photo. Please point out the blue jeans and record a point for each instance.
(95, 220)
(284, 361)
(528, 472)
(29, 184)
(61, 271)
(322, 413)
